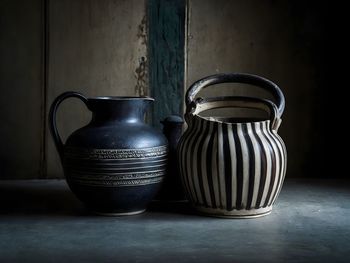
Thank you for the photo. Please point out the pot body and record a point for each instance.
(115, 164)
(232, 169)
(232, 166)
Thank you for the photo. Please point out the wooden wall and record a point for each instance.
(21, 89)
(103, 48)
(52, 46)
(97, 48)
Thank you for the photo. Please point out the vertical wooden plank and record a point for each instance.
(20, 83)
(97, 48)
(166, 24)
(44, 84)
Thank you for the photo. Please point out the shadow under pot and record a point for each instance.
(116, 163)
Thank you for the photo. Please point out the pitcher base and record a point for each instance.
(119, 214)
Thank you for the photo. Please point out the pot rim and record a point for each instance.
(213, 119)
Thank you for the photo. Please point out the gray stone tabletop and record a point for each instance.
(41, 221)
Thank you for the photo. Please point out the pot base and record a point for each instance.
(119, 214)
(243, 213)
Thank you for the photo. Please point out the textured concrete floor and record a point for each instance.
(41, 221)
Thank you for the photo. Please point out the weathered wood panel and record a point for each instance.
(21, 126)
(97, 48)
(166, 56)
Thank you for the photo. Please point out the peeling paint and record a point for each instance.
(142, 31)
(141, 71)
(141, 75)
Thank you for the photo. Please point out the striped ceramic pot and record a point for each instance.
(232, 167)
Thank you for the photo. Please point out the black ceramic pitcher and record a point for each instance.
(116, 163)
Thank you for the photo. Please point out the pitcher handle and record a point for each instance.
(52, 117)
(237, 78)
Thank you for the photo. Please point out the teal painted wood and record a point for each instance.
(166, 23)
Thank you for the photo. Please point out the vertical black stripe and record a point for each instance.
(192, 156)
(227, 167)
(284, 158)
(183, 155)
(274, 140)
(263, 168)
(209, 162)
(218, 167)
(199, 162)
(194, 161)
(251, 157)
(283, 162)
(273, 164)
(180, 159)
(187, 154)
(239, 170)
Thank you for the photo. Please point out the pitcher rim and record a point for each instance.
(121, 98)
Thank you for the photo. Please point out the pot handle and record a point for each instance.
(236, 78)
(238, 102)
(52, 117)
